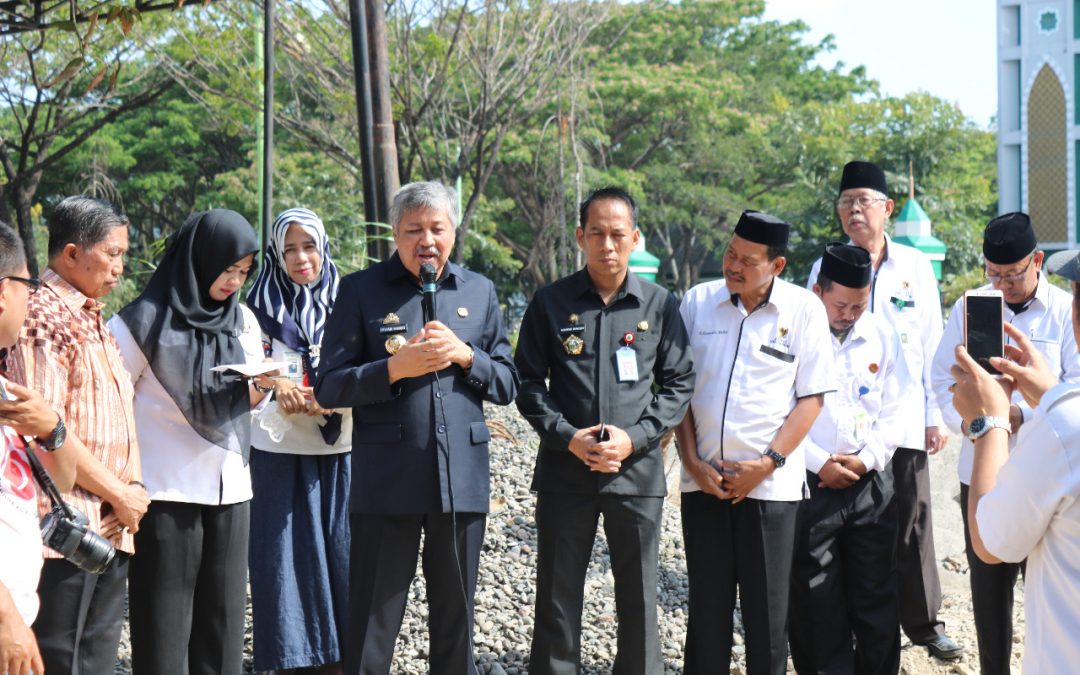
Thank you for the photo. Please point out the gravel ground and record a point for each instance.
(506, 588)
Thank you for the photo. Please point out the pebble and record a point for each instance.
(507, 577)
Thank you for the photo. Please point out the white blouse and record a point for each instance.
(295, 434)
(179, 465)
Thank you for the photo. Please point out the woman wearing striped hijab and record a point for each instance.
(300, 468)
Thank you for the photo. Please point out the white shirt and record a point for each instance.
(1047, 321)
(179, 465)
(20, 535)
(905, 294)
(1033, 513)
(751, 369)
(300, 434)
(868, 413)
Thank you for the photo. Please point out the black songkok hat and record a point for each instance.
(863, 175)
(761, 228)
(1009, 238)
(846, 265)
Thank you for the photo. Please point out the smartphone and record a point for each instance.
(984, 326)
(603, 434)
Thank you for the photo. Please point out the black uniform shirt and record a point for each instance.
(421, 444)
(584, 389)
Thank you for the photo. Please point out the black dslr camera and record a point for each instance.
(68, 534)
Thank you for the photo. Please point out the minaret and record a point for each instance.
(1039, 116)
(912, 227)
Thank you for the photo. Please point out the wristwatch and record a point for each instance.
(55, 439)
(981, 425)
(778, 459)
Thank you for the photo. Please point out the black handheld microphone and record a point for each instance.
(428, 273)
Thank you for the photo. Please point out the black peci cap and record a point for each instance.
(761, 228)
(863, 175)
(846, 265)
(1009, 238)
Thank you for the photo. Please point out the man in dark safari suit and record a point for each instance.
(420, 444)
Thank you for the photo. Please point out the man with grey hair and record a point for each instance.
(420, 444)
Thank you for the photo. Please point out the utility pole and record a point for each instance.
(386, 162)
(266, 202)
(365, 121)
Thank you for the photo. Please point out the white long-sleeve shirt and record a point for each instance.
(905, 294)
(868, 413)
(1047, 322)
(179, 465)
(1033, 512)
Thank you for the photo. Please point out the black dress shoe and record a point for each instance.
(944, 648)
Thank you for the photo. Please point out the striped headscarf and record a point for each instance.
(294, 314)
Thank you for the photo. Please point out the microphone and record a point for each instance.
(427, 291)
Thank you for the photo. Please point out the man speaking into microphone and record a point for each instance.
(415, 372)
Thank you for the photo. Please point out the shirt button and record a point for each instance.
(438, 394)
(442, 429)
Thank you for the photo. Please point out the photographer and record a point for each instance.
(22, 413)
(1023, 497)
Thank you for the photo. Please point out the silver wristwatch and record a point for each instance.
(981, 425)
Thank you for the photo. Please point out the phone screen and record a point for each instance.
(983, 322)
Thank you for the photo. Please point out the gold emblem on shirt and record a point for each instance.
(391, 318)
(573, 345)
(394, 343)
(783, 331)
(643, 325)
(573, 319)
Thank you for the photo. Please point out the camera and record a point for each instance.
(72, 538)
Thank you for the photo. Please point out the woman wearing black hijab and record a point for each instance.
(187, 588)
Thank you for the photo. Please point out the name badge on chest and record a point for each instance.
(626, 362)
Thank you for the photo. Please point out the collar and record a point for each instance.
(581, 284)
(395, 269)
(1042, 291)
(72, 297)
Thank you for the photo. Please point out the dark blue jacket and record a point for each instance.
(420, 444)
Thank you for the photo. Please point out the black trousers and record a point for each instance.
(188, 589)
(916, 561)
(82, 614)
(381, 568)
(992, 602)
(748, 545)
(844, 580)
(566, 528)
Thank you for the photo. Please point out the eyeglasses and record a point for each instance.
(864, 202)
(996, 278)
(33, 284)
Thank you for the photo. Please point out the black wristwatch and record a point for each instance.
(56, 439)
(778, 459)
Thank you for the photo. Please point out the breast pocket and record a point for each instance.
(1051, 351)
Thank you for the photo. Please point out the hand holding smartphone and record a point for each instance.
(984, 326)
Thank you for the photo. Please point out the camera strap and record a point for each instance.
(44, 479)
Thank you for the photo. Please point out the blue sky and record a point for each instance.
(945, 47)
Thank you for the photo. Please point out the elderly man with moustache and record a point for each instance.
(904, 292)
(420, 444)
